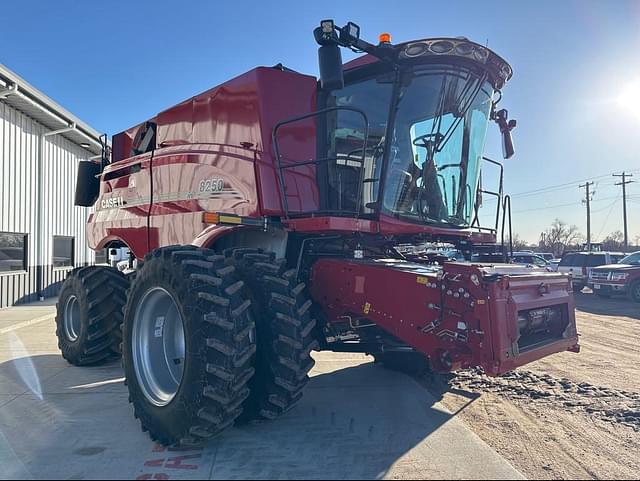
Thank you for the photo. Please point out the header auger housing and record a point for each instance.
(267, 215)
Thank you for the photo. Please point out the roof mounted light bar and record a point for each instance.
(329, 35)
(499, 70)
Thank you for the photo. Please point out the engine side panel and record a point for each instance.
(191, 180)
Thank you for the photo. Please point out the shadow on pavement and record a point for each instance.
(614, 306)
(354, 422)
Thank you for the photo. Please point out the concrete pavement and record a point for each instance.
(357, 420)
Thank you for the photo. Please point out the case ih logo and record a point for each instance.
(112, 203)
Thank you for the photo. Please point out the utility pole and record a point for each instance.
(624, 183)
(587, 200)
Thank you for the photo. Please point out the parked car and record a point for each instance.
(547, 256)
(580, 264)
(455, 254)
(554, 263)
(524, 257)
(620, 278)
(529, 258)
(488, 257)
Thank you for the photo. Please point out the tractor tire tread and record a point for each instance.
(212, 299)
(285, 330)
(102, 293)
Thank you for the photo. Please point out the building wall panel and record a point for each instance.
(19, 147)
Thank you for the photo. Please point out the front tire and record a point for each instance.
(89, 315)
(634, 291)
(188, 345)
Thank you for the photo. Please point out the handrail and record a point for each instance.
(499, 195)
(281, 167)
(506, 205)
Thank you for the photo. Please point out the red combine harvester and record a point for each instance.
(265, 218)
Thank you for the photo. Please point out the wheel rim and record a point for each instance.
(72, 320)
(158, 345)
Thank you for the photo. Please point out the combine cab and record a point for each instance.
(271, 216)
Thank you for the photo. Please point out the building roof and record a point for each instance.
(18, 93)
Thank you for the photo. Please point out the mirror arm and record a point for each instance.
(501, 117)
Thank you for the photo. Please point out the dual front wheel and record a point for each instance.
(207, 339)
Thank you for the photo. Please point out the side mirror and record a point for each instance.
(87, 183)
(506, 126)
(330, 63)
(507, 144)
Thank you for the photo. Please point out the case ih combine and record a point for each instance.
(266, 216)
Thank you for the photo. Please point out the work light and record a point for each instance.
(350, 33)
(326, 34)
(328, 26)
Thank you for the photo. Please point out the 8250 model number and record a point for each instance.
(211, 185)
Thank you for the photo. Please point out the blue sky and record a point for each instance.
(116, 63)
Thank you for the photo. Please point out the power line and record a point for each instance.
(608, 216)
(605, 208)
(574, 204)
(566, 185)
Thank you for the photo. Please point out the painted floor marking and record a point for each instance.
(22, 325)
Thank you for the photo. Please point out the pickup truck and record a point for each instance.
(620, 278)
(580, 264)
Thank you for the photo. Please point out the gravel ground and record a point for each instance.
(569, 416)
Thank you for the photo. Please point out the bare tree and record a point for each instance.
(614, 241)
(561, 236)
(519, 244)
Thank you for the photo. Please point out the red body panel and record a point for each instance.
(182, 194)
(446, 315)
(223, 134)
(386, 226)
(122, 210)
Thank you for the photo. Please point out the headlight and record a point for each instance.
(619, 276)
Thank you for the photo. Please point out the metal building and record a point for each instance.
(42, 233)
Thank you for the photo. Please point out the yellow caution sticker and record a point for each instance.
(422, 280)
(366, 308)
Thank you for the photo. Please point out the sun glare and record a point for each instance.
(629, 98)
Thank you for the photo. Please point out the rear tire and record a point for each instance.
(207, 330)
(285, 332)
(89, 315)
(634, 291)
